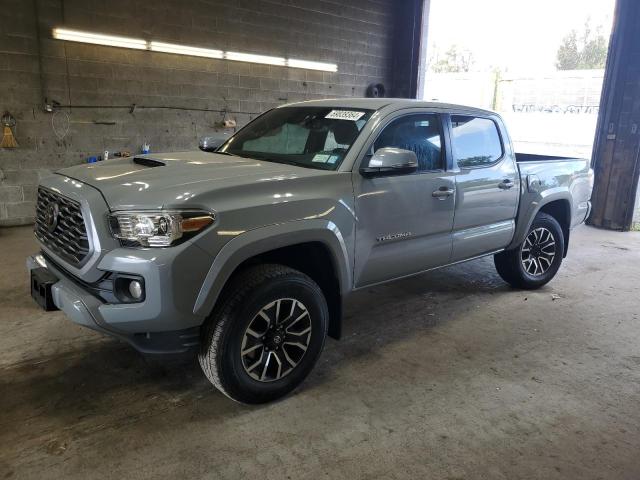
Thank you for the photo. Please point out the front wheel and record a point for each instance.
(267, 334)
(537, 260)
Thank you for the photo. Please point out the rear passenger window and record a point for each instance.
(476, 142)
(419, 133)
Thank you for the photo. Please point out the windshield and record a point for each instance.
(312, 137)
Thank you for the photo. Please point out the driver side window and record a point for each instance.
(420, 133)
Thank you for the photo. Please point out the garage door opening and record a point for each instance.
(541, 66)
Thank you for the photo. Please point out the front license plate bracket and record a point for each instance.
(41, 282)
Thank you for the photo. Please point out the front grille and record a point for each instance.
(64, 232)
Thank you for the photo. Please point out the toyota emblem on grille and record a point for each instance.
(51, 216)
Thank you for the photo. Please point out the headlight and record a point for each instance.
(158, 228)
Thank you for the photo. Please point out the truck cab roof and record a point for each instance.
(379, 103)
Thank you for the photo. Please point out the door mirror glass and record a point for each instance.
(391, 160)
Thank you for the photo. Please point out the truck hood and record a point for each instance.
(166, 180)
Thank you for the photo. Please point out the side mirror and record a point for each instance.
(390, 160)
(211, 143)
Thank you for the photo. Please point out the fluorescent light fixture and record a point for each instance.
(252, 58)
(98, 39)
(185, 50)
(325, 67)
(139, 44)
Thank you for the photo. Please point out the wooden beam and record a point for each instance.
(617, 143)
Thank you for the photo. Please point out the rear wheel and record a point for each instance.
(537, 260)
(267, 334)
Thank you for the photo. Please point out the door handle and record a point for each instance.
(442, 193)
(506, 184)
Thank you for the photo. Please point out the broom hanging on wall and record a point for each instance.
(8, 122)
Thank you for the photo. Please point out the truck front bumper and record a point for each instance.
(163, 323)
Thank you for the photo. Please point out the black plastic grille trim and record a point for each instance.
(69, 238)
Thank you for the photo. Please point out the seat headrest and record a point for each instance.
(345, 132)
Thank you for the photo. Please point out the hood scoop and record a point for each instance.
(148, 162)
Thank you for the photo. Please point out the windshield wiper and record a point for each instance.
(267, 159)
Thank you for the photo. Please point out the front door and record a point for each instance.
(404, 221)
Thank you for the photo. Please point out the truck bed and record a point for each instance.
(546, 177)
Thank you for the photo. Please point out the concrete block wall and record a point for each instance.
(356, 35)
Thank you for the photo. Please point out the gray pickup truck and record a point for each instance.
(245, 255)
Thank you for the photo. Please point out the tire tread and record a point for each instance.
(210, 353)
(508, 265)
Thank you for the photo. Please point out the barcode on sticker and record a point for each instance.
(344, 115)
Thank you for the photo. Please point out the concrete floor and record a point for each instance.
(447, 375)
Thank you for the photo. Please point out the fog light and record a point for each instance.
(135, 289)
(128, 288)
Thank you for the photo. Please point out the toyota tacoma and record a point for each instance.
(244, 255)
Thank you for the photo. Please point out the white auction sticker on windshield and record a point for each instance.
(344, 115)
(320, 158)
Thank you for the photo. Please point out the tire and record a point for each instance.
(238, 334)
(518, 267)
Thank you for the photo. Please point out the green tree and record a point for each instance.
(588, 51)
(568, 56)
(454, 60)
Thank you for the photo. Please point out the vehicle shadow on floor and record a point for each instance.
(379, 316)
(108, 382)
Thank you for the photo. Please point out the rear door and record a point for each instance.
(487, 185)
(403, 227)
